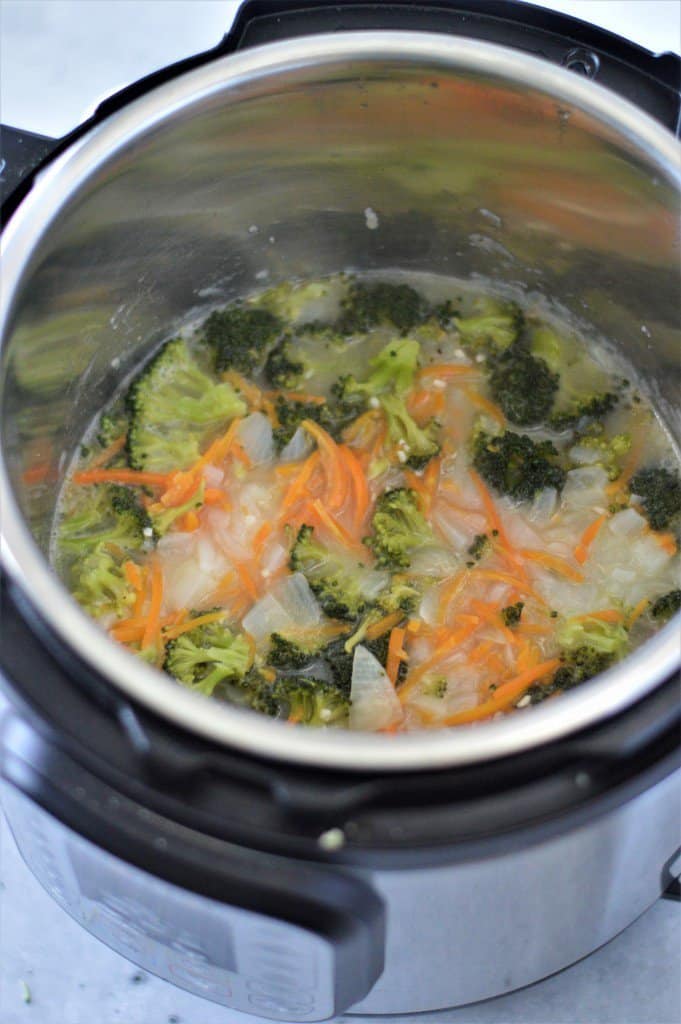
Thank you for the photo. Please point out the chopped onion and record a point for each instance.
(434, 561)
(213, 476)
(297, 600)
(373, 701)
(297, 448)
(626, 523)
(544, 504)
(266, 617)
(255, 434)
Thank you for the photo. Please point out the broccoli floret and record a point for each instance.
(588, 647)
(419, 444)
(110, 428)
(478, 548)
(368, 305)
(516, 465)
(392, 369)
(239, 337)
(204, 657)
(665, 606)
(660, 493)
(103, 514)
(296, 649)
(512, 613)
(492, 328)
(399, 596)
(398, 527)
(291, 413)
(588, 407)
(335, 581)
(174, 407)
(162, 518)
(594, 447)
(284, 367)
(523, 385)
(303, 700)
(99, 584)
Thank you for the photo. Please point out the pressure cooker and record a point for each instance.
(298, 873)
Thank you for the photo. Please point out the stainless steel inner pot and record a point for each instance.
(257, 167)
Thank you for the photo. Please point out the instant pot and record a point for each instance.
(297, 873)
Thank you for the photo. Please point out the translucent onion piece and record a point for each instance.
(374, 703)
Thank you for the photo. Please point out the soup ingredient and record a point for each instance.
(317, 507)
(398, 527)
(208, 654)
(239, 337)
(516, 465)
(660, 492)
(174, 408)
(368, 305)
(667, 605)
(523, 385)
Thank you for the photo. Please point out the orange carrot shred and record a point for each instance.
(152, 627)
(396, 654)
(505, 694)
(581, 552)
(120, 476)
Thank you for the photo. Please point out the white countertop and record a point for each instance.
(58, 58)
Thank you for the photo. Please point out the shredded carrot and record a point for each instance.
(298, 396)
(554, 563)
(667, 541)
(299, 485)
(359, 484)
(182, 486)
(108, 453)
(133, 575)
(396, 654)
(414, 626)
(336, 474)
(492, 410)
(214, 496)
(251, 392)
(581, 552)
(426, 404)
(513, 581)
(332, 525)
(448, 371)
(247, 580)
(152, 627)
(504, 696)
(270, 411)
(533, 628)
(416, 483)
(363, 423)
(189, 521)
(260, 538)
(449, 592)
(494, 520)
(604, 615)
(637, 611)
(220, 448)
(453, 641)
(120, 476)
(377, 629)
(201, 620)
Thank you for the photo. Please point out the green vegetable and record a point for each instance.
(302, 699)
(512, 613)
(666, 605)
(393, 369)
(583, 408)
(285, 367)
(523, 385)
(419, 444)
(399, 596)
(207, 656)
(588, 647)
(111, 427)
(239, 337)
(608, 451)
(516, 465)
(291, 414)
(99, 585)
(174, 408)
(398, 527)
(103, 514)
(163, 520)
(660, 491)
(492, 328)
(335, 579)
(479, 547)
(368, 305)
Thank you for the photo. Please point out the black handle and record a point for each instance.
(325, 923)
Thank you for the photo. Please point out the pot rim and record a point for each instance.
(55, 186)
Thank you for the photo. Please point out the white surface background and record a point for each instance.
(58, 58)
